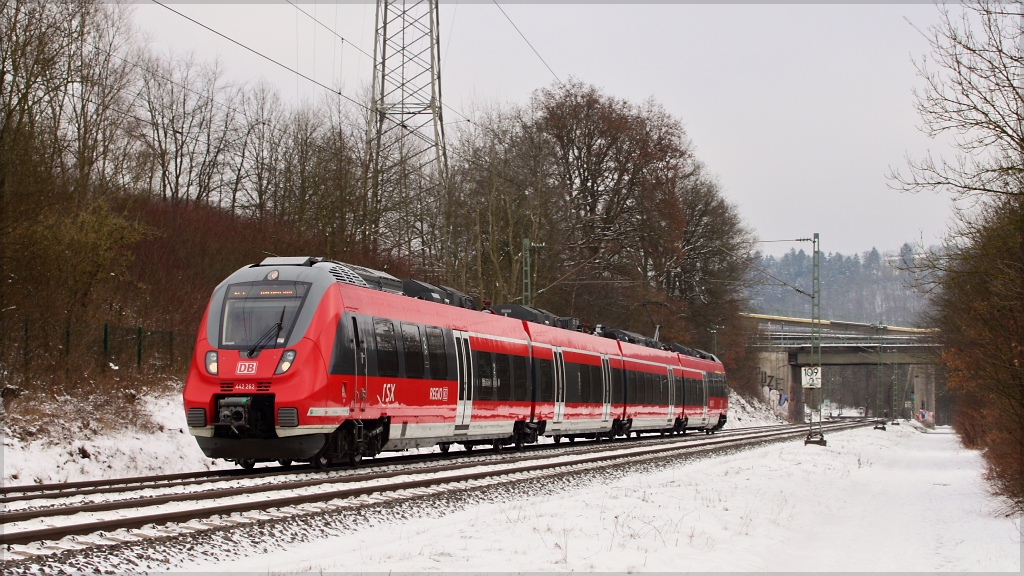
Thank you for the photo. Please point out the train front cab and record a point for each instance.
(260, 363)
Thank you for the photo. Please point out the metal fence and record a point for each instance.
(105, 346)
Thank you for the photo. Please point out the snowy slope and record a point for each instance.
(94, 456)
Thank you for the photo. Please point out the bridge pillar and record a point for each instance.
(775, 377)
(796, 395)
(923, 378)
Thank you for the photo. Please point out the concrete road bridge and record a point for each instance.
(784, 347)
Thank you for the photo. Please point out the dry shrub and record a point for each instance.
(103, 406)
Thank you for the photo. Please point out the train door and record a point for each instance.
(606, 389)
(360, 361)
(464, 361)
(559, 386)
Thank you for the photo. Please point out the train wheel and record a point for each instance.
(519, 444)
(496, 446)
(558, 439)
(469, 447)
(247, 463)
(285, 463)
(354, 459)
(321, 461)
(444, 447)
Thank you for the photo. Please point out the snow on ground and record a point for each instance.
(744, 413)
(94, 456)
(897, 500)
(872, 500)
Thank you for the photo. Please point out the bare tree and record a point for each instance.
(187, 128)
(977, 279)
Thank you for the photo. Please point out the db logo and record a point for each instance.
(246, 368)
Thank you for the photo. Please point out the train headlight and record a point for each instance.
(287, 359)
(211, 362)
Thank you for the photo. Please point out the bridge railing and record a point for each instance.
(794, 340)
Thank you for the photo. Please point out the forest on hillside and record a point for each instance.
(873, 287)
(132, 182)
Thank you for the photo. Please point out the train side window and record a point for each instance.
(547, 381)
(412, 344)
(342, 357)
(572, 382)
(520, 389)
(585, 394)
(436, 354)
(387, 347)
(596, 384)
(484, 382)
(617, 396)
(503, 376)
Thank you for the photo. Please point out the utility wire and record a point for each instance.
(523, 36)
(265, 57)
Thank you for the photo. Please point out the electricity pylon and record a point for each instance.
(408, 164)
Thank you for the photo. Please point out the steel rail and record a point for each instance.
(120, 485)
(645, 452)
(63, 510)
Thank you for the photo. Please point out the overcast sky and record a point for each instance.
(799, 109)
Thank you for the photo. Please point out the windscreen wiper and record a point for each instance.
(270, 335)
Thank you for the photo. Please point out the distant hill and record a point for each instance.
(869, 287)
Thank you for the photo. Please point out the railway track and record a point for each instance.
(48, 519)
(70, 490)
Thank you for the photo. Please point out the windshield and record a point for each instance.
(253, 309)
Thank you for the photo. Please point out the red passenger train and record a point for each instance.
(304, 359)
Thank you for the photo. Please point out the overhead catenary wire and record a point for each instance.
(329, 29)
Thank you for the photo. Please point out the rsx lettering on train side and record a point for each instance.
(389, 394)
